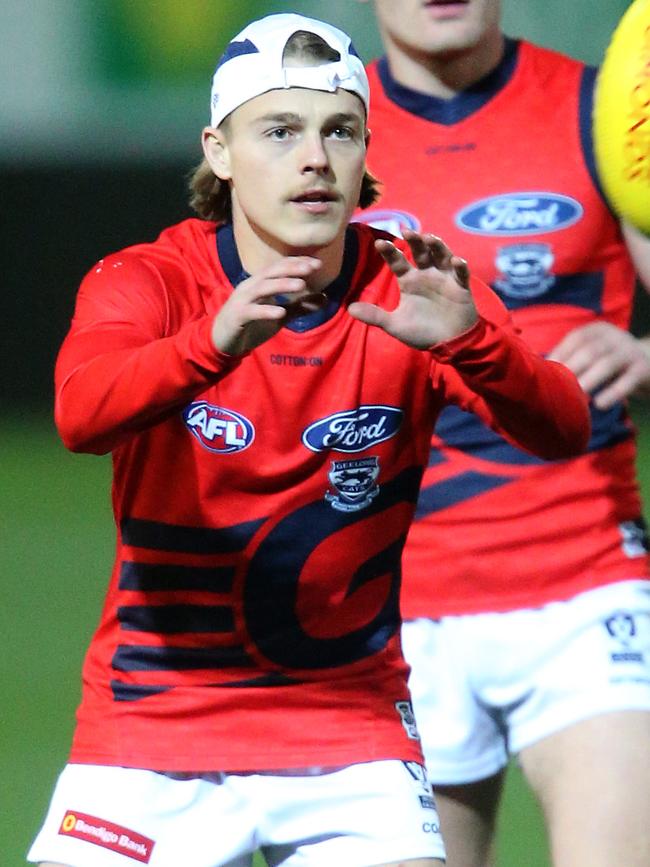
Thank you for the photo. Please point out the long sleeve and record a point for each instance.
(122, 367)
(536, 404)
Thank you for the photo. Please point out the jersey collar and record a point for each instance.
(459, 107)
(336, 291)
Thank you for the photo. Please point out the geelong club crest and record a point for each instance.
(354, 482)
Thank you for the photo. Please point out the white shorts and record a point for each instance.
(484, 686)
(360, 815)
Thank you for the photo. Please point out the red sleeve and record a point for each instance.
(120, 370)
(536, 404)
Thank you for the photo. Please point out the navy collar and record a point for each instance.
(459, 107)
(336, 291)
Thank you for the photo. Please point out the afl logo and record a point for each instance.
(519, 214)
(354, 430)
(218, 430)
(389, 221)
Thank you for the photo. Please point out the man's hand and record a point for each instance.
(435, 303)
(259, 306)
(608, 358)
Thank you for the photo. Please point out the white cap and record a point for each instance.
(252, 64)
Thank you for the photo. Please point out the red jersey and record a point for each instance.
(262, 504)
(504, 174)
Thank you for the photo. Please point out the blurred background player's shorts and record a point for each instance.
(557, 665)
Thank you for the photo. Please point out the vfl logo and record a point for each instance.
(218, 430)
(353, 430)
(622, 628)
(389, 221)
(519, 214)
(525, 270)
(354, 482)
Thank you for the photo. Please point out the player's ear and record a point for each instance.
(216, 151)
(367, 137)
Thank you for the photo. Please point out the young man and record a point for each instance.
(531, 636)
(267, 382)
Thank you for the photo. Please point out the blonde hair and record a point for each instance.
(210, 197)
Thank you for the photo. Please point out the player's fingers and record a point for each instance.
(461, 270)
(281, 290)
(421, 252)
(394, 258)
(369, 313)
(439, 252)
(581, 337)
(619, 389)
(601, 371)
(291, 266)
(258, 312)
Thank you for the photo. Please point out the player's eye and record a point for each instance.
(342, 133)
(279, 133)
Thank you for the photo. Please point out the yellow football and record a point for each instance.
(621, 117)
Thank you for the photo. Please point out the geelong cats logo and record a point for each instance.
(354, 482)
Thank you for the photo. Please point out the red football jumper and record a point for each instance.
(262, 504)
(504, 174)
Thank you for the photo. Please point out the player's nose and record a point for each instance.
(313, 155)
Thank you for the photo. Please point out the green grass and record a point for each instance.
(57, 537)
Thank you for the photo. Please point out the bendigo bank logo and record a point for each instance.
(107, 835)
(218, 430)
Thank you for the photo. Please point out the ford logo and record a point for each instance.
(389, 221)
(519, 214)
(353, 430)
(218, 430)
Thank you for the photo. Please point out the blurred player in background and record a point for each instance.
(530, 634)
(269, 421)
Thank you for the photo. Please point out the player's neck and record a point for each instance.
(445, 75)
(258, 250)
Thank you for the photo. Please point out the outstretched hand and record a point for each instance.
(609, 362)
(260, 305)
(435, 301)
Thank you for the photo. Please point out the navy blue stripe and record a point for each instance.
(151, 577)
(237, 49)
(588, 84)
(463, 487)
(459, 107)
(465, 431)
(273, 679)
(436, 457)
(170, 619)
(576, 290)
(188, 540)
(141, 658)
(134, 692)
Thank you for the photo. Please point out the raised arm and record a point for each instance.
(537, 404)
(126, 365)
(121, 368)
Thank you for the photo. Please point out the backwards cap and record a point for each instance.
(252, 64)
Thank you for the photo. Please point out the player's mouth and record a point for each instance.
(440, 9)
(315, 201)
